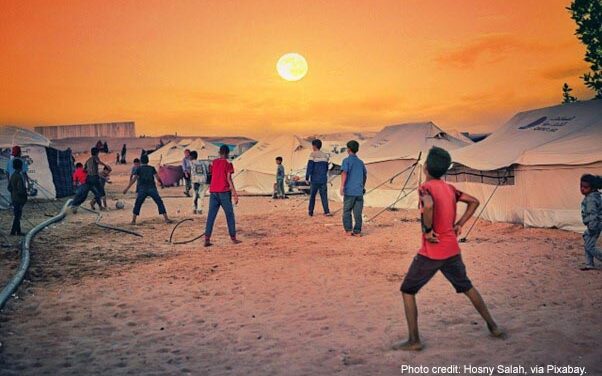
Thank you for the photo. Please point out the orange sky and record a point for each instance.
(208, 67)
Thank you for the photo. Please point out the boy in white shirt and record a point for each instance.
(199, 176)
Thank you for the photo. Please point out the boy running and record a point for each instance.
(145, 175)
(92, 181)
(223, 193)
(440, 249)
(353, 181)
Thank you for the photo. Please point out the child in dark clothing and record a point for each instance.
(440, 249)
(145, 175)
(279, 191)
(18, 194)
(591, 214)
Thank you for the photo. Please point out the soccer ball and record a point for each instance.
(120, 204)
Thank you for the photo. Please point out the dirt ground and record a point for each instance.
(297, 297)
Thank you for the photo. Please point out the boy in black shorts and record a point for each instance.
(440, 249)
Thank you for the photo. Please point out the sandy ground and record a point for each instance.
(295, 298)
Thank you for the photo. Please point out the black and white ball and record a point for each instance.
(120, 204)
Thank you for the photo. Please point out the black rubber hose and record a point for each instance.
(99, 217)
(183, 241)
(14, 283)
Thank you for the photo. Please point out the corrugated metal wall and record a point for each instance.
(117, 129)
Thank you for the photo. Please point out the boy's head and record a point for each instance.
(317, 144)
(194, 155)
(94, 151)
(437, 162)
(187, 153)
(224, 151)
(17, 164)
(79, 165)
(136, 162)
(590, 183)
(16, 151)
(278, 160)
(144, 159)
(353, 147)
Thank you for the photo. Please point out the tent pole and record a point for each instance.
(504, 179)
(401, 192)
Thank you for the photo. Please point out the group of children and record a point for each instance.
(438, 201)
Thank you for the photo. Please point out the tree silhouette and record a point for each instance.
(566, 94)
(587, 14)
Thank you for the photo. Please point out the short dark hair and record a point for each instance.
(144, 159)
(279, 159)
(17, 164)
(437, 162)
(78, 165)
(354, 146)
(224, 150)
(594, 181)
(194, 154)
(136, 160)
(94, 151)
(317, 143)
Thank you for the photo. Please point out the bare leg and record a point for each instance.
(479, 304)
(167, 220)
(413, 343)
(133, 219)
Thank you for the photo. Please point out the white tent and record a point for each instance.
(394, 149)
(33, 148)
(255, 170)
(538, 156)
(172, 153)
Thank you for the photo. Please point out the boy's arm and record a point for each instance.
(309, 170)
(132, 181)
(365, 178)
(427, 218)
(159, 180)
(472, 205)
(343, 181)
(590, 218)
(233, 189)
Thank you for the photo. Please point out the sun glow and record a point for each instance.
(292, 67)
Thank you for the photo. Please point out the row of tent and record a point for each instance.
(527, 171)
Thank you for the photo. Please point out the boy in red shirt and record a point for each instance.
(79, 176)
(222, 193)
(440, 249)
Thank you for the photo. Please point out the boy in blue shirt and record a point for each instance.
(353, 182)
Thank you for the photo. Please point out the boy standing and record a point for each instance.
(186, 167)
(317, 176)
(199, 173)
(353, 181)
(279, 193)
(440, 249)
(18, 194)
(222, 193)
(145, 175)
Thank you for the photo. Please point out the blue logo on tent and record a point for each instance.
(535, 123)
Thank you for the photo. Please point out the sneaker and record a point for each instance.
(236, 241)
(328, 214)
(588, 267)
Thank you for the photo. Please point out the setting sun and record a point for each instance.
(292, 67)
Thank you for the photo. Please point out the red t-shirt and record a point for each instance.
(79, 176)
(445, 197)
(220, 169)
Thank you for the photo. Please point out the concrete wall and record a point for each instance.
(101, 130)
